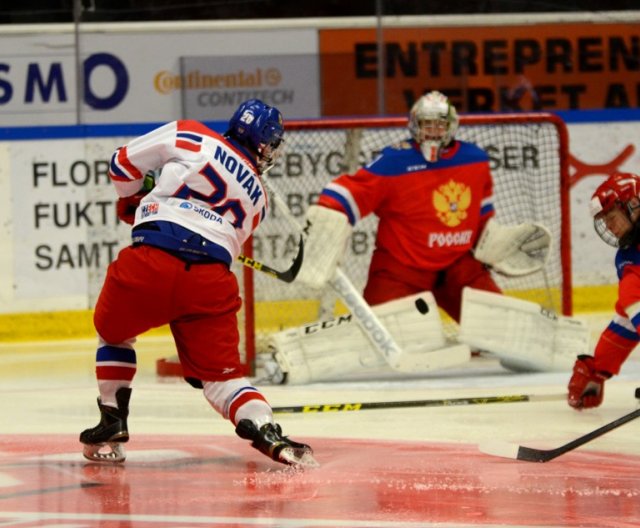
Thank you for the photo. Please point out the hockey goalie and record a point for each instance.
(437, 233)
(522, 335)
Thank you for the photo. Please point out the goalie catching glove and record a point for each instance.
(327, 232)
(513, 250)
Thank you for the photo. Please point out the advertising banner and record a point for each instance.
(564, 66)
(64, 226)
(213, 87)
(135, 76)
(59, 229)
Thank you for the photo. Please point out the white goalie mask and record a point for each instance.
(433, 123)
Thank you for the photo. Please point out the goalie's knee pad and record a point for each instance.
(338, 349)
(522, 334)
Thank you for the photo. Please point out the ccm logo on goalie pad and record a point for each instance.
(324, 325)
(420, 304)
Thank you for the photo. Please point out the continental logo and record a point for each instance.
(451, 202)
(165, 82)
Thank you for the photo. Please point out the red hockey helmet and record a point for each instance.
(619, 192)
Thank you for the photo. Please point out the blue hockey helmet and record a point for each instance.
(259, 127)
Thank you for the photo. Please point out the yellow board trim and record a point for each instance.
(76, 324)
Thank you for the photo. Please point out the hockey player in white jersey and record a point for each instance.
(206, 202)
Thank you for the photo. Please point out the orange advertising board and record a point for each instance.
(564, 66)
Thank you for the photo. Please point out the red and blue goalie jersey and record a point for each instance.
(430, 213)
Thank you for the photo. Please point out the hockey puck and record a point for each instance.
(422, 306)
(638, 393)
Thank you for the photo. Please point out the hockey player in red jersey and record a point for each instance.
(615, 207)
(187, 230)
(433, 195)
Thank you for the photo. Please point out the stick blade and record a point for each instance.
(499, 448)
(503, 449)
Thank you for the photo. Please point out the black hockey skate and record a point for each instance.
(111, 432)
(269, 441)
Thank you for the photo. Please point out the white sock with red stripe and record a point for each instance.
(236, 400)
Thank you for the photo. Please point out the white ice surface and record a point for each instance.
(50, 387)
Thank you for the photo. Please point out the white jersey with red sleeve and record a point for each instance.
(430, 213)
(208, 184)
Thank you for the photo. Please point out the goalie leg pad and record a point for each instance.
(522, 334)
(338, 349)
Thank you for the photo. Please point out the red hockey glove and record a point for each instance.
(126, 207)
(586, 386)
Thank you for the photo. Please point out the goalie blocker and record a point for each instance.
(339, 350)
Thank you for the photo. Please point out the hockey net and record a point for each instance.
(528, 155)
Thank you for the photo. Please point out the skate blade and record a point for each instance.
(298, 458)
(113, 454)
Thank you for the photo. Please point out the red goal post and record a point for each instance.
(529, 162)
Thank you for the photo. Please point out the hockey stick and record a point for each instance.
(380, 338)
(287, 275)
(529, 454)
(364, 406)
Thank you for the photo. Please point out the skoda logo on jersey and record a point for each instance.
(451, 202)
(186, 205)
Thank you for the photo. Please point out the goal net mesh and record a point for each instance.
(528, 164)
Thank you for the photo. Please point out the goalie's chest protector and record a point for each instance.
(430, 213)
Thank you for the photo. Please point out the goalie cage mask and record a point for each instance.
(620, 192)
(433, 123)
(259, 127)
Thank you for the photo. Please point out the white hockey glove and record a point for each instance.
(327, 232)
(514, 250)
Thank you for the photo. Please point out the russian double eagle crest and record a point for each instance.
(451, 202)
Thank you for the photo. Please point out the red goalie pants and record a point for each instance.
(389, 280)
(146, 287)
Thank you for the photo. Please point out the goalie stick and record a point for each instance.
(363, 406)
(530, 454)
(287, 275)
(380, 338)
